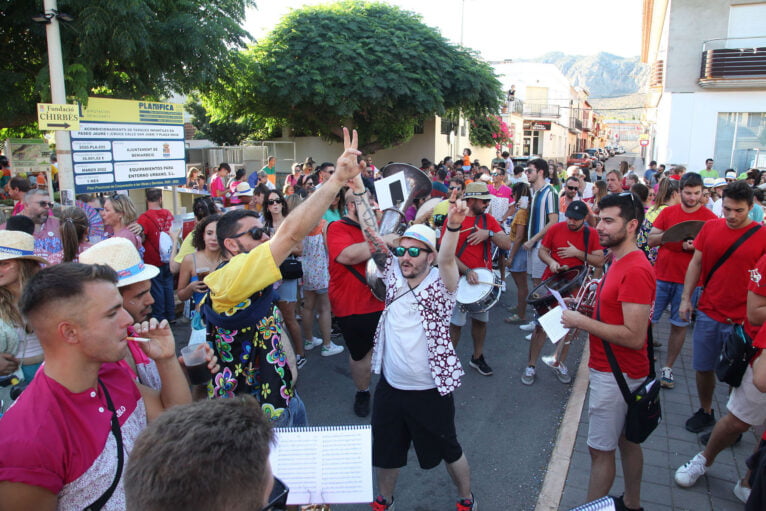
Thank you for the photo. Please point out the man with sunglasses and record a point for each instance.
(183, 445)
(621, 318)
(474, 250)
(37, 206)
(240, 309)
(413, 351)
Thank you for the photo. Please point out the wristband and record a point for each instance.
(359, 194)
(454, 229)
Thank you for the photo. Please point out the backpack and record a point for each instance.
(165, 243)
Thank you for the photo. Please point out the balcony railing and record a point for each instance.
(541, 110)
(656, 74)
(736, 62)
(513, 107)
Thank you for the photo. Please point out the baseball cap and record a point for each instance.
(577, 210)
(421, 233)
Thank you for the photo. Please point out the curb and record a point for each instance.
(558, 466)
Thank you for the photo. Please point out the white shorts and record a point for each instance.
(459, 316)
(535, 267)
(746, 402)
(607, 409)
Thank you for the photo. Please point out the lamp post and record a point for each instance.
(58, 96)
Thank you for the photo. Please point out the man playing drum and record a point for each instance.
(563, 247)
(474, 250)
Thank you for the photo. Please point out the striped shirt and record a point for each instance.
(544, 202)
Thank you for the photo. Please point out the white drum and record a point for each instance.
(479, 297)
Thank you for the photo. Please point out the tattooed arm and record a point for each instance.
(369, 223)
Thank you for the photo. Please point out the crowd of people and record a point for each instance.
(86, 336)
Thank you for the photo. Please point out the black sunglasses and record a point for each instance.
(278, 497)
(44, 204)
(271, 202)
(456, 187)
(573, 188)
(413, 251)
(256, 232)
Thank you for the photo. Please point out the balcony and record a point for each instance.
(513, 107)
(734, 63)
(575, 125)
(657, 73)
(541, 110)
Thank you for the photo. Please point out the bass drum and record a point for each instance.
(479, 297)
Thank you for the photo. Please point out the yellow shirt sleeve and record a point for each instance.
(186, 248)
(243, 276)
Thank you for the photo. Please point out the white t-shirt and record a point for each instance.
(718, 208)
(405, 352)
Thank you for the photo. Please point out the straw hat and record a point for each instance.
(243, 188)
(477, 191)
(121, 255)
(18, 245)
(421, 233)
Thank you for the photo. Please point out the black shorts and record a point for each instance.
(359, 332)
(422, 417)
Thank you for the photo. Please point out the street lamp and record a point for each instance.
(46, 17)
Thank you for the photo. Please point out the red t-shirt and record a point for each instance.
(475, 256)
(154, 221)
(757, 285)
(348, 295)
(672, 262)
(630, 279)
(724, 298)
(559, 235)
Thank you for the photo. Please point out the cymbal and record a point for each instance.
(682, 231)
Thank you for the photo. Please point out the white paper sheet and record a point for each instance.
(551, 323)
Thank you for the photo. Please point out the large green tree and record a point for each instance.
(128, 49)
(353, 64)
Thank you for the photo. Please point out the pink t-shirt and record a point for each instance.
(501, 191)
(62, 441)
(217, 187)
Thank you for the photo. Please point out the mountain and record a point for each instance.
(604, 75)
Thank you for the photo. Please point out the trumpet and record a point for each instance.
(583, 302)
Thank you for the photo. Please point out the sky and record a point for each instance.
(508, 29)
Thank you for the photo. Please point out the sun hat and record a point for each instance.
(120, 255)
(708, 182)
(18, 245)
(421, 233)
(242, 189)
(477, 190)
(731, 175)
(719, 181)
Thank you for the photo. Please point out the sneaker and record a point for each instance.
(666, 381)
(481, 366)
(502, 287)
(528, 378)
(362, 405)
(741, 492)
(704, 438)
(619, 504)
(381, 504)
(528, 337)
(700, 421)
(529, 327)
(331, 349)
(558, 368)
(467, 504)
(688, 473)
(313, 343)
(300, 361)
(335, 332)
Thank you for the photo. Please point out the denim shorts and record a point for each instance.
(668, 293)
(535, 266)
(707, 340)
(519, 263)
(288, 291)
(294, 416)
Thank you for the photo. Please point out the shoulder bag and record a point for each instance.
(644, 410)
(291, 268)
(104, 498)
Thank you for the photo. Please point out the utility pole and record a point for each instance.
(58, 96)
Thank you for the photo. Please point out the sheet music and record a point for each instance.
(324, 465)
(551, 323)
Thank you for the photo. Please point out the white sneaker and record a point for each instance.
(331, 349)
(558, 368)
(528, 378)
(502, 287)
(741, 492)
(688, 473)
(529, 327)
(313, 343)
(528, 337)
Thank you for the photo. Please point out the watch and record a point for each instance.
(491, 234)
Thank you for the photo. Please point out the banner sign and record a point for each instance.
(128, 144)
(29, 156)
(537, 125)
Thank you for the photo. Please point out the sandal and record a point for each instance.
(515, 319)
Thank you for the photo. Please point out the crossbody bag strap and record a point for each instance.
(610, 354)
(103, 499)
(464, 245)
(730, 251)
(586, 237)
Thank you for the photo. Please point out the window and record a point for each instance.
(740, 141)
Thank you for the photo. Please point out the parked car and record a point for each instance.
(593, 152)
(603, 154)
(620, 150)
(582, 160)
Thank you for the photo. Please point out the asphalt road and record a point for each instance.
(507, 429)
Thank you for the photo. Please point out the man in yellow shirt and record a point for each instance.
(240, 311)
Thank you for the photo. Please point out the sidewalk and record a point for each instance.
(669, 447)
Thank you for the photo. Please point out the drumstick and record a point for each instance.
(490, 284)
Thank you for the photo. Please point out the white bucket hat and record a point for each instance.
(18, 245)
(243, 188)
(120, 255)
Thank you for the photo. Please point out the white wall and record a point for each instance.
(686, 123)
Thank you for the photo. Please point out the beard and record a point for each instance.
(613, 240)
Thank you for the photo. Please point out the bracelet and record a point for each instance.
(454, 229)
(359, 194)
